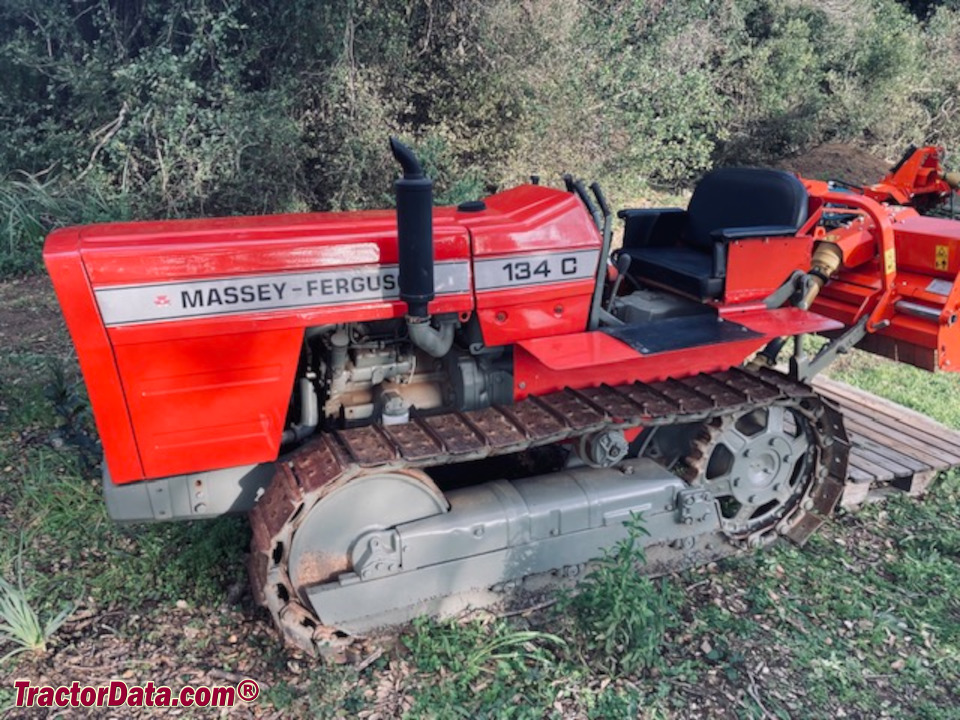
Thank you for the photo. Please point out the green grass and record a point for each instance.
(60, 506)
(56, 502)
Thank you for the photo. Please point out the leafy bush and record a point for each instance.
(231, 106)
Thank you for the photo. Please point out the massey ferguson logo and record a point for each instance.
(161, 301)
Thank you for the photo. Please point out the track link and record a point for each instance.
(333, 459)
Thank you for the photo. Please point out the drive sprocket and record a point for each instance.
(759, 465)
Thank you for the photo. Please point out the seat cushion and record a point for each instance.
(744, 197)
(685, 269)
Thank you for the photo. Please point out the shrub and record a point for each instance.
(232, 106)
(622, 615)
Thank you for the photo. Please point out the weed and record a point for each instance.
(483, 670)
(69, 399)
(21, 625)
(622, 615)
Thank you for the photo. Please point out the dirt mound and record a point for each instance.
(837, 162)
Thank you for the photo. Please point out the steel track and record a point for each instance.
(332, 459)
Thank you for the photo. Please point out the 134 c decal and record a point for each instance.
(534, 269)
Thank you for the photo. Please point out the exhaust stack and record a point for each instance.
(414, 193)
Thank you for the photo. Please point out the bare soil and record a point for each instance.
(30, 319)
(834, 161)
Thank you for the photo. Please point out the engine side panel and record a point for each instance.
(209, 402)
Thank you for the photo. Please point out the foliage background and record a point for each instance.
(163, 108)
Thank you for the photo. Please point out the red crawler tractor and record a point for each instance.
(424, 409)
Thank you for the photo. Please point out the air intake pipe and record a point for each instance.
(414, 192)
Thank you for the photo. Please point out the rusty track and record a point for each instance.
(333, 459)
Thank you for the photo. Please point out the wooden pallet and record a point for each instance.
(893, 448)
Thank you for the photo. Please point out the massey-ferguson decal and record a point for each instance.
(160, 302)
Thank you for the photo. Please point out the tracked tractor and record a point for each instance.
(430, 409)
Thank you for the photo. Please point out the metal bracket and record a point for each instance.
(695, 506)
(804, 369)
(377, 554)
(792, 291)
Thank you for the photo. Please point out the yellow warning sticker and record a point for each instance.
(941, 258)
(889, 261)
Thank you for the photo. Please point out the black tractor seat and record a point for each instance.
(686, 250)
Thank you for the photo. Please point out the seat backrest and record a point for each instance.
(744, 197)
